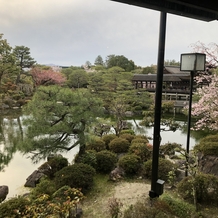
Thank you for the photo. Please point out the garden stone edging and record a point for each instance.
(3, 192)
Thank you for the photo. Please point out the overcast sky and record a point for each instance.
(71, 32)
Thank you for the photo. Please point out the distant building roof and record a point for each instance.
(173, 70)
(170, 74)
(166, 77)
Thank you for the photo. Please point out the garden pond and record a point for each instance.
(19, 166)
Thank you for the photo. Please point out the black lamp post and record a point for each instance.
(157, 184)
(191, 62)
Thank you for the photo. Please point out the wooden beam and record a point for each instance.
(197, 9)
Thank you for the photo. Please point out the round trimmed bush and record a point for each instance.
(119, 145)
(54, 164)
(208, 145)
(127, 131)
(45, 186)
(78, 175)
(169, 148)
(141, 209)
(128, 137)
(11, 207)
(141, 137)
(164, 167)
(66, 193)
(108, 138)
(96, 144)
(106, 161)
(141, 150)
(178, 206)
(140, 140)
(89, 157)
(206, 188)
(130, 163)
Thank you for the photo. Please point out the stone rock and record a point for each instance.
(116, 174)
(45, 169)
(3, 192)
(208, 164)
(33, 179)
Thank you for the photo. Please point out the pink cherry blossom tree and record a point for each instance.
(206, 109)
(47, 77)
(211, 51)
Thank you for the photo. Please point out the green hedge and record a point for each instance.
(208, 145)
(14, 207)
(96, 144)
(164, 167)
(119, 145)
(141, 150)
(89, 157)
(130, 163)
(206, 188)
(77, 176)
(106, 161)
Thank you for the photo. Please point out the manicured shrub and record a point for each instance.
(178, 206)
(141, 137)
(89, 157)
(77, 176)
(63, 203)
(140, 140)
(119, 145)
(130, 163)
(127, 131)
(45, 186)
(106, 161)
(169, 148)
(159, 209)
(206, 188)
(208, 145)
(53, 165)
(96, 144)
(128, 137)
(66, 192)
(14, 207)
(141, 150)
(108, 138)
(164, 167)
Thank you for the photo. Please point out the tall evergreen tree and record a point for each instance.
(99, 60)
(58, 120)
(23, 60)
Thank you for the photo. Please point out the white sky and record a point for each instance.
(71, 32)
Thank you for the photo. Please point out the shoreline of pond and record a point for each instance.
(20, 167)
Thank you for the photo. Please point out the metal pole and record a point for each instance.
(189, 120)
(158, 100)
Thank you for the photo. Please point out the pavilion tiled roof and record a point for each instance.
(171, 74)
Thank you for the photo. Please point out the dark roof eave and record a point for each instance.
(200, 10)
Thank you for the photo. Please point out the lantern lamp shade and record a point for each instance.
(192, 62)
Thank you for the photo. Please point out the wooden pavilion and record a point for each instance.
(174, 81)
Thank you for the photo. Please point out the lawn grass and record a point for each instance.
(96, 203)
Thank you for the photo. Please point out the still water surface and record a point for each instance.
(20, 167)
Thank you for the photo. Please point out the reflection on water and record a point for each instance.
(178, 136)
(18, 167)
